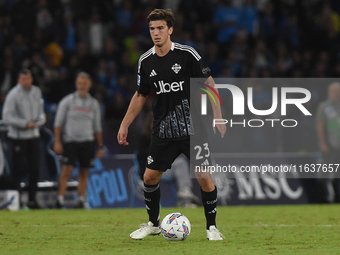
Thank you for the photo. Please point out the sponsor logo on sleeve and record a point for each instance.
(205, 70)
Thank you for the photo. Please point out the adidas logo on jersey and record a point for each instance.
(205, 162)
(150, 160)
(176, 68)
(153, 73)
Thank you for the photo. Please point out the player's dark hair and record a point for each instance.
(24, 71)
(161, 14)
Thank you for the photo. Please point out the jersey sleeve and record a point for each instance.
(10, 113)
(199, 69)
(143, 86)
(62, 109)
(97, 126)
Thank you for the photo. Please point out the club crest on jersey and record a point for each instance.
(150, 160)
(176, 68)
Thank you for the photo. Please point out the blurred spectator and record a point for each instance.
(249, 17)
(78, 117)
(200, 41)
(283, 61)
(112, 79)
(97, 35)
(227, 19)
(268, 25)
(70, 43)
(328, 130)
(55, 53)
(7, 76)
(44, 16)
(84, 60)
(19, 49)
(45, 20)
(290, 31)
(125, 18)
(111, 50)
(23, 113)
(50, 72)
(37, 68)
(213, 60)
(101, 73)
(260, 56)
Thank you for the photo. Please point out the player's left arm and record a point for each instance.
(216, 108)
(99, 139)
(42, 117)
(201, 70)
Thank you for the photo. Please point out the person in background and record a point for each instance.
(23, 112)
(328, 130)
(78, 116)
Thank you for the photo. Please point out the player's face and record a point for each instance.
(159, 31)
(334, 92)
(25, 80)
(83, 86)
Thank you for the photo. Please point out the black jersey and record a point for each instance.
(169, 77)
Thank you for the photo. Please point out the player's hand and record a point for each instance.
(30, 125)
(100, 153)
(58, 148)
(222, 128)
(122, 135)
(324, 148)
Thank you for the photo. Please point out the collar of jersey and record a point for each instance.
(77, 95)
(172, 48)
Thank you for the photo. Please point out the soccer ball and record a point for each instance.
(175, 227)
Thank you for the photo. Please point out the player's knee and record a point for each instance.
(83, 172)
(66, 172)
(207, 184)
(149, 179)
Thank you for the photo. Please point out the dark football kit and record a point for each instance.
(169, 77)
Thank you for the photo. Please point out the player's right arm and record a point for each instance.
(58, 147)
(59, 122)
(136, 105)
(10, 113)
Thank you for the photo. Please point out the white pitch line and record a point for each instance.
(281, 225)
(113, 225)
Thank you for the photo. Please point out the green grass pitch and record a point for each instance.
(303, 229)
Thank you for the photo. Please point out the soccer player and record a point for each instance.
(167, 68)
(78, 116)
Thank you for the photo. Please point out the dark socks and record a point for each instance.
(209, 200)
(152, 196)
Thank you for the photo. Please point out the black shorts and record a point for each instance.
(83, 152)
(162, 152)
